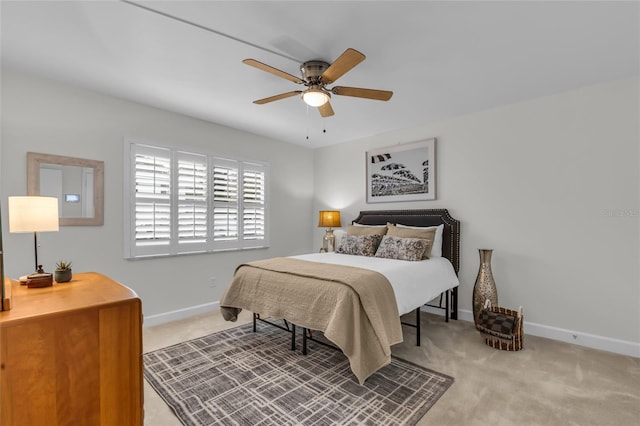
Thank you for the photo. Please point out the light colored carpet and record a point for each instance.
(547, 383)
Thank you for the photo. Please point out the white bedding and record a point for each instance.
(414, 283)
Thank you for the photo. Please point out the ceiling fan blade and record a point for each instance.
(326, 110)
(378, 95)
(272, 70)
(277, 97)
(349, 59)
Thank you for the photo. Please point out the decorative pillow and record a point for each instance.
(366, 230)
(339, 233)
(436, 248)
(402, 248)
(425, 234)
(359, 245)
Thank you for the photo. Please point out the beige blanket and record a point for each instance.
(355, 308)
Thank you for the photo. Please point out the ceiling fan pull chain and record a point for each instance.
(307, 121)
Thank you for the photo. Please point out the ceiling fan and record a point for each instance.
(316, 75)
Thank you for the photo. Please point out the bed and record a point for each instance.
(356, 301)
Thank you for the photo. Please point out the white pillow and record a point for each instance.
(436, 249)
(369, 226)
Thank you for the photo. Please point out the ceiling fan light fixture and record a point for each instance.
(316, 75)
(315, 97)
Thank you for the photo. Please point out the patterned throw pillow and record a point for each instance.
(402, 248)
(359, 245)
(425, 234)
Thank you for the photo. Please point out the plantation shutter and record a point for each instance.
(152, 181)
(179, 202)
(225, 200)
(253, 202)
(192, 198)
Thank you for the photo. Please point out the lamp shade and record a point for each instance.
(329, 219)
(33, 214)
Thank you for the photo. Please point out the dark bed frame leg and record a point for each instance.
(304, 341)
(446, 306)
(255, 320)
(454, 303)
(418, 326)
(293, 337)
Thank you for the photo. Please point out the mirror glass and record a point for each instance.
(76, 182)
(71, 185)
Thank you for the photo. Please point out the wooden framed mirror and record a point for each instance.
(77, 183)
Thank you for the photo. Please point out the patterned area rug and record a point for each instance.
(237, 377)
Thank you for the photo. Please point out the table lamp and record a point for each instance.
(329, 219)
(33, 214)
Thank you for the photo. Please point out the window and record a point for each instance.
(179, 202)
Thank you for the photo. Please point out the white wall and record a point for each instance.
(551, 184)
(48, 117)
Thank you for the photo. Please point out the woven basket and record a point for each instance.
(511, 342)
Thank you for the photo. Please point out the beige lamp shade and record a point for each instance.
(33, 214)
(329, 219)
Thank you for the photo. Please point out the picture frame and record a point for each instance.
(403, 172)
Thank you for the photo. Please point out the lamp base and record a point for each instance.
(329, 241)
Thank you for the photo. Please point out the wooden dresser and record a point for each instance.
(71, 354)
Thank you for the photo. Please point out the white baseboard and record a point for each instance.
(180, 314)
(593, 341)
(623, 347)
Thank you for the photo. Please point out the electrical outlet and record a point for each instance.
(212, 282)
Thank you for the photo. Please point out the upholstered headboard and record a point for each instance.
(426, 217)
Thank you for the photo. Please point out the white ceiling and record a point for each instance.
(441, 59)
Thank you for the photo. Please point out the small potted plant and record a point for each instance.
(63, 272)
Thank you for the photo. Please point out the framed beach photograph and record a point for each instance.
(403, 172)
